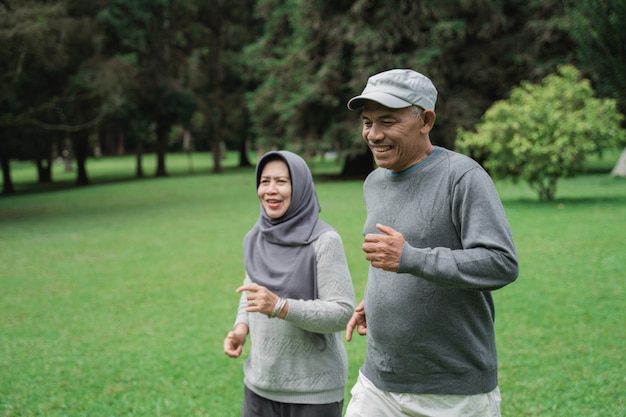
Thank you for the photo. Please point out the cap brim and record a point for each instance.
(385, 99)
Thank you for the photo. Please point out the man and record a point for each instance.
(438, 242)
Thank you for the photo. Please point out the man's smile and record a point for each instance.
(382, 148)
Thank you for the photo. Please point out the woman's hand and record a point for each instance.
(261, 300)
(233, 344)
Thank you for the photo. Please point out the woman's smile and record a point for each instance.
(273, 204)
(274, 189)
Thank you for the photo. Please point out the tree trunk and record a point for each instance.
(161, 148)
(188, 148)
(139, 160)
(121, 143)
(216, 149)
(43, 159)
(243, 154)
(7, 181)
(216, 74)
(44, 169)
(80, 143)
(67, 155)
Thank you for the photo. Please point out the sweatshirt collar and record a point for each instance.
(414, 167)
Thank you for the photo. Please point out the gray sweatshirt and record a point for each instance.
(431, 324)
(284, 365)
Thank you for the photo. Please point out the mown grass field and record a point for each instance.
(115, 298)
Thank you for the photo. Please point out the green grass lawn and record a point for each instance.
(115, 298)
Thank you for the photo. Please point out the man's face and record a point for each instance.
(393, 135)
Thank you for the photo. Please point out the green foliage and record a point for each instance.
(544, 131)
(287, 88)
(162, 34)
(216, 73)
(314, 55)
(599, 30)
(299, 64)
(47, 66)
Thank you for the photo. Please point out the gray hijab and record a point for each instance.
(277, 252)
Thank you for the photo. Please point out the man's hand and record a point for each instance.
(358, 321)
(384, 250)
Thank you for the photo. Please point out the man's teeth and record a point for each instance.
(382, 148)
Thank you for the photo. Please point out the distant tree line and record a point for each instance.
(108, 77)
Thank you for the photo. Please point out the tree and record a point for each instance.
(314, 55)
(599, 31)
(216, 75)
(147, 65)
(158, 35)
(544, 131)
(301, 64)
(47, 73)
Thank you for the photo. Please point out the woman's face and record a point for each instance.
(274, 189)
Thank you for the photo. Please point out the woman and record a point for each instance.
(296, 299)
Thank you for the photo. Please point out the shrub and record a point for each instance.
(544, 131)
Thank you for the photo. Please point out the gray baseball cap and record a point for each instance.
(397, 88)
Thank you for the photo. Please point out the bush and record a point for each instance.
(544, 131)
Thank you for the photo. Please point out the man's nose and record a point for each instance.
(375, 133)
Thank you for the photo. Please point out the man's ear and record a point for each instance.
(429, 117)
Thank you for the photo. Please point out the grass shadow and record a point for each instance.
(567, 201)
(70, 184)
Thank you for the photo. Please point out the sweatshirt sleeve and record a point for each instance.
(486, 259)
(332, 310)
(242, 314)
